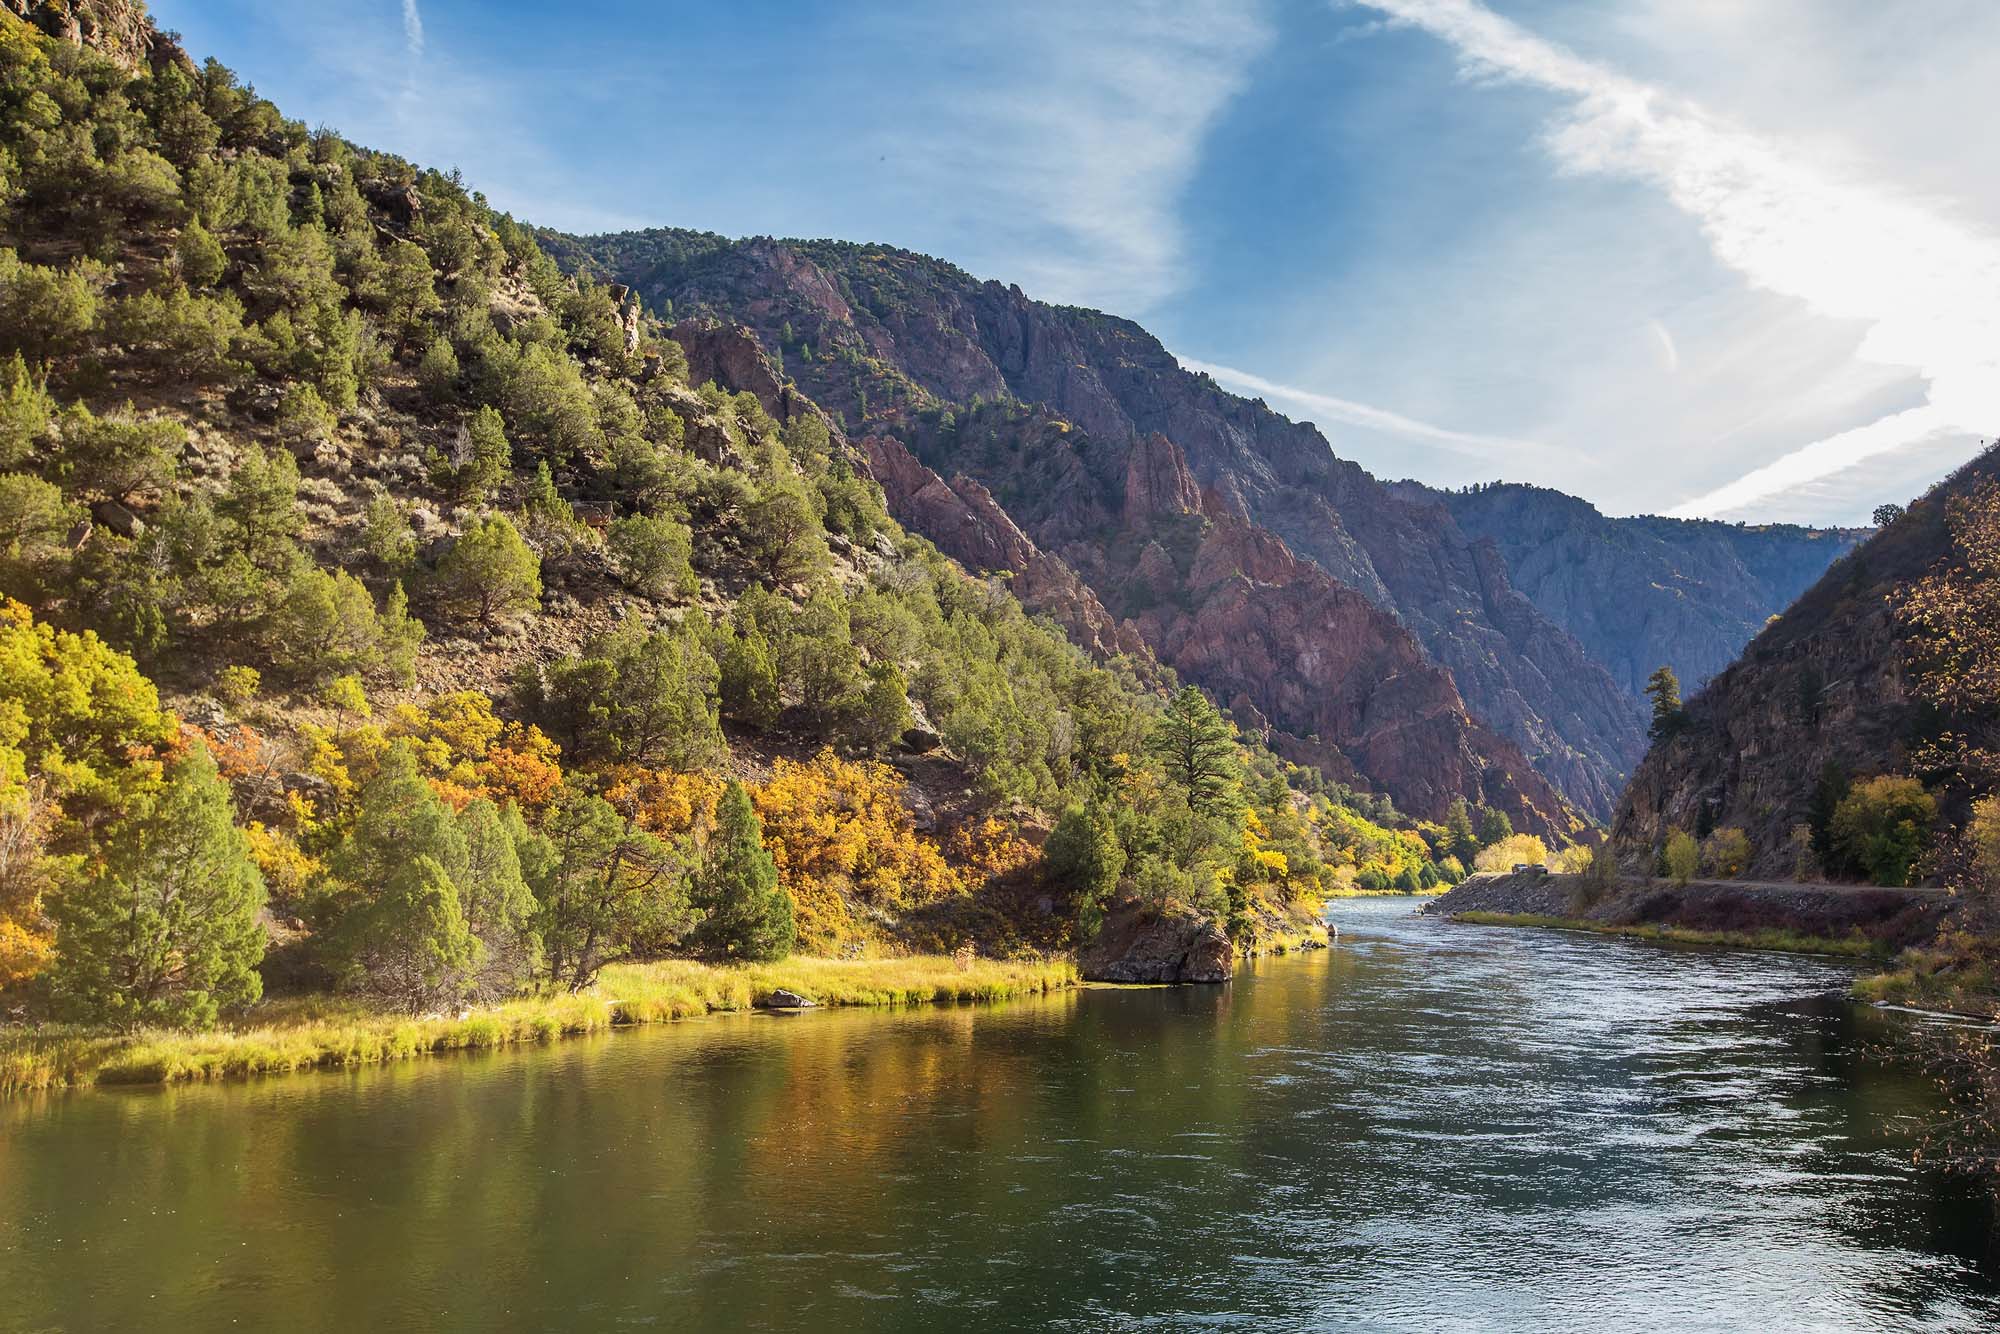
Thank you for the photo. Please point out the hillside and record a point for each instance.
(456, 629)
(1848, 684)
(1639, 592)
(898, 339)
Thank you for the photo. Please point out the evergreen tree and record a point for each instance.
(1459, 840)
(1083, 858)
(746, 915)
(1494, 826)
(749, 680)
(599, 886)
(165, 929)
(485, 458)
(1664, 689)
(499, 909)
(1196, 749)
(489, 573)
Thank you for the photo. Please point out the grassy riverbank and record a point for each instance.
(1797, 942)
(321, 1032)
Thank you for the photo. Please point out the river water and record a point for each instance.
(1428, 1127)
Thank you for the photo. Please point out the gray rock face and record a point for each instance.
(1639, 592)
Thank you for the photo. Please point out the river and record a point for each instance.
(1428, 1127)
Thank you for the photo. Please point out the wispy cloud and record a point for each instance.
(413, 30)
(1670, 352)
(1065, 134)
(1923, 283)
(1468, 443)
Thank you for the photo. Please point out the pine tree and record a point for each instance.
(1196, 747)
(1664, 688)
(1459, 840)
(746, 914)
(165, 930)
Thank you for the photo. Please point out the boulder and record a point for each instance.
(782, 999)
(1139, 944)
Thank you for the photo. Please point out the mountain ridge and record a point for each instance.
(882, 336)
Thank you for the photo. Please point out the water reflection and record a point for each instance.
(1428, 1125)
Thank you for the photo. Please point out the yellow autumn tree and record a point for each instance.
(843, 840)
(81, 734)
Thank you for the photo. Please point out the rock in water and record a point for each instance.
(782, 999)
(1137, 945)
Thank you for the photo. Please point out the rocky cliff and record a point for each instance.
(1639, 592)
(883, 336)
(1825, 684)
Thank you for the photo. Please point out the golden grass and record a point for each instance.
(1936, 979)
(324, 1032)
(1795, 942)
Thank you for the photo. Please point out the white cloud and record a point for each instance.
(1352, 413)
(413, 30)
(1920, 280)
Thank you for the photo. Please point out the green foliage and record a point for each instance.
(601, 887)
(483, 458)
(259, 508)
(47, 312)
(1881, 828)
(882, 714)
(438, 372)
(27, 412)
(303, 415)
(489, 574)
(430, 909)
(748, 680)
(119, 456)
(633, 697)
(386, 535)
(783, 532)
(200, 256)
(745, 915)
(654, 555)
(1196, 748)
(1459, 840)
(1083, 858)
(1664, 689)
(326, 626)
(1494, 826)
(164, 929)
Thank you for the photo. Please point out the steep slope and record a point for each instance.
(877, 334)
(1639, 592)
(1226, 603)
(1822, 695)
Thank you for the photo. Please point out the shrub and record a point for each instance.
(1880, 828)
(654, 555)
(1511, 851)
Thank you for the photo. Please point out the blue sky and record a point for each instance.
(1731, 257)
